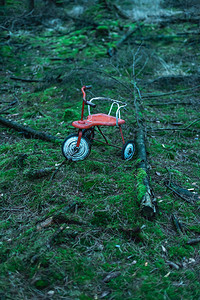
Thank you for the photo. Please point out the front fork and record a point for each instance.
(79, 138)
(120, 129)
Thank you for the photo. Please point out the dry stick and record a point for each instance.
(169, 93)
(175, 192)
(193, 241)
(8, 106)
(185, 128)
(28, 131)
(57, 169)
(147, 206)
(169, 103)
(26, 80)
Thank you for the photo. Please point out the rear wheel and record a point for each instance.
(71, 152)
(128, 150)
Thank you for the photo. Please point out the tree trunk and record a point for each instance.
(2, 2)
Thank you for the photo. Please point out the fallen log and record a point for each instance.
(28, 131)
(144, 192)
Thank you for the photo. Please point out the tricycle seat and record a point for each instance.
(98, 120)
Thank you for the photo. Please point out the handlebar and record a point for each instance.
(87, 87)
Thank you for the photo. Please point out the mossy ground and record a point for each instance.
(93, 222)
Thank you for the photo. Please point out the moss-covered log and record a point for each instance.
(28, 131)
(144, 192)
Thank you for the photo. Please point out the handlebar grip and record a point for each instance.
(90, 103)
(87, 87)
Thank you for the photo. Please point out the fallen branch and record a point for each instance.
(8, 106)
(144, 191)
(169, 103)
(175, 128)
(57, 169)
(177, 224)
(169, 93)
(178, 194)
(28, 131)
(193, 241)
(26, 80)
(172, 265)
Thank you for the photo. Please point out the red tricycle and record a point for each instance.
(77, 146)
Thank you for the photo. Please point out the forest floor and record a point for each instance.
(74, 230)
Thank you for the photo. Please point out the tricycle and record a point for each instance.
(78, 146)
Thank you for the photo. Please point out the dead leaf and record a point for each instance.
(158, 173)
(164, 249)
(167, 275)
(104, 294)
(45, 223)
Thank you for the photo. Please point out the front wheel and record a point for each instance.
(71, 152)
(128, 150)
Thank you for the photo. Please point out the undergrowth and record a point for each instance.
(63, 233)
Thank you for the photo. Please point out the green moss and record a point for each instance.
(6, 51)
(102, 31)
(71, 114)
(41, 283)
(141, 188)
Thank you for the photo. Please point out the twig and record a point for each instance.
(172, 265)
(57, 169)
(26, 80)
(169, 93)
(193, 241)
(176, 223)
(9, 106)
(175, 192)
(184, 128)
(169, 103)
